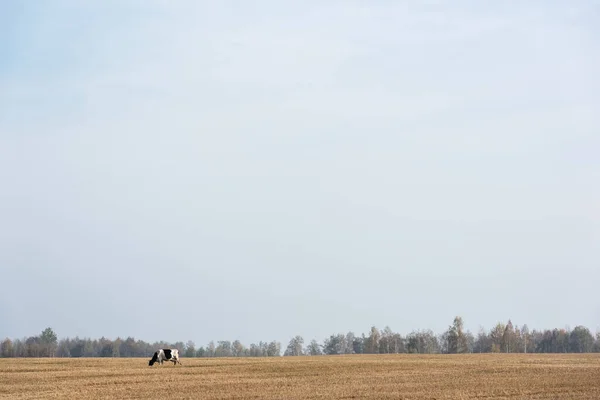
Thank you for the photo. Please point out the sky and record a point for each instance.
(195, 170)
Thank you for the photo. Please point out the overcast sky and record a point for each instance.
(195, 170)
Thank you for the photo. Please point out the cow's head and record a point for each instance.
(153, 359)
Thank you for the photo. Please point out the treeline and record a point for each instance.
(47, 345)
(502, 338)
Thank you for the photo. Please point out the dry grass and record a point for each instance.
(489, 376)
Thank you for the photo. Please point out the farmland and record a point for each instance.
(473, 376)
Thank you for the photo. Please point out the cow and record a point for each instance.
(165, 355)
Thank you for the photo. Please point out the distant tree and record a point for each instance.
(313, 348)
(496, 334)
(390, 342)
(89, 348)
(483, 343)
(211, 349)
(19, 348)
(398, 344)
(106, 347)
(385, 339)
(64, 348)
(533, 341)
(294, 348)
(75, 347)
(33, 347)
(422, 342)
(274, 349)
(264, 348)
(432, 345)
(48, 336)
(254, 350)
(330, 345)
(597, 343)
(358, 344)
(562, 340)
(143, 349)
(6, 348)
(349, 343)
(116, 347)
(546, 344)
(238, 349)
(335, 344)
(344, 346)
(470, 341)
(371, 345)
(190, 349)
(525, 336)
(201, 352)
(444, 340)
(129, 348)
(223, 349)
(48, 342)
(413, 343)
(508, 338)
(554, 341)
(456, 341)
(581, 340)
(518, 343)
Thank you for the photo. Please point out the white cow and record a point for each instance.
(165, 355)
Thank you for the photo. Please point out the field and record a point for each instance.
(487, 376)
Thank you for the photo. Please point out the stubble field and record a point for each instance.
(474, 376)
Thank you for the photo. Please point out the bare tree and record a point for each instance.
(274, 349)
(6, 348)
(238, 349)
(455, 338)
(508, 338)
(190, 349)
(294, 348)
(372, 341)
(496, 337)
(313, 348)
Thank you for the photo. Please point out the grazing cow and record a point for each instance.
(165, 355)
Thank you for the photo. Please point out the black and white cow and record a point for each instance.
(165, 355)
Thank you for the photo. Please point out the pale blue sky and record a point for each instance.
(189, 170)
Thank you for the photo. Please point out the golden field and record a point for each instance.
(469, 376)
